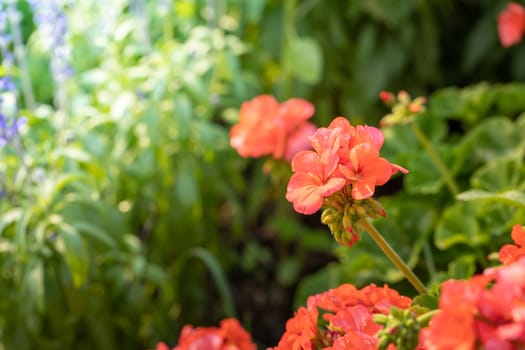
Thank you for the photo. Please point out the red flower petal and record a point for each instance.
(511, 24)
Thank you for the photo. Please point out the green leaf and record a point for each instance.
(424, 177)
(462, 267)
(458, 225)
(71, 153)
(510, 98)
(70, 244)
(34, 282)
(446, 103)
(9, 217)
(95, 232)
(495, 138)
(186, 188)
(428, 301)
(216, 272)
(52, 187)
(303, 59)
(254, 10)
(500, 175)
(21, 230)
(515, 198)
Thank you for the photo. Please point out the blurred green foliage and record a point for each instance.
(136, 217)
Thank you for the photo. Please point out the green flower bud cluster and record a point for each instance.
(401, 328)
(404, 109)
(344, 215)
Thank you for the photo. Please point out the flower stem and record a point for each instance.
(392, 255)
(449, 180)
(424, 319)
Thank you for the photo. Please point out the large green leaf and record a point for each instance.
(500, 175)
(303, 59)
(510, 98)
(34, 282)
(462, 267)
(424, 176)
(515, 198)
(216, 271)
(494, 138)
(446, 103)
(70, 244)
(458, 225)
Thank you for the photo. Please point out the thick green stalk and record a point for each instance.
(445, 173)
(392, 255)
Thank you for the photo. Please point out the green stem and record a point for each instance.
(449, 180)
(392, 255)
(424, 319)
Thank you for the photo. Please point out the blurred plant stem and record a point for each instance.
(140, 11)
(431, 151)
(167, 29)
(20, 55)
(289, 35)
(393, 256)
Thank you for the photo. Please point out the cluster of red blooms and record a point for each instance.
(229, 336)
(486, 311)
(511, 24)
(342, 155)
(340, 174)
(346, 319)
(266, 127)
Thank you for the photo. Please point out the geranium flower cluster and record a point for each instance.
(340, 319)
(404, 108)
(511, 24)
(230, 335)
(486, 311)
(266, 127)
(341, 174)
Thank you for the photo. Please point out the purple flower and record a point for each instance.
(52, 24)
(7, 84)
(9, 130)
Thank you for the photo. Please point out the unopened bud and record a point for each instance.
(403, 96)
(329, 216)
(387, 97)
(374, 208)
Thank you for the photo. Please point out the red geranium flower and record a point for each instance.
(347, 315)
(511, 24)
(485, 312)
(343, 155)
(314, 179)
(509, 253)
(266, 127)
(365, 170)
(228, 336)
